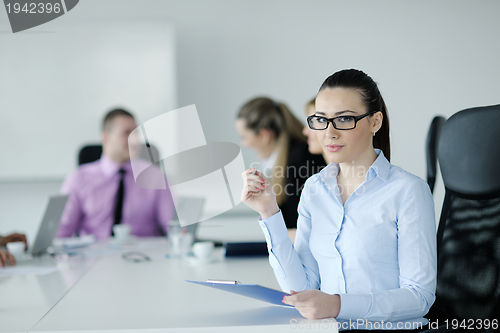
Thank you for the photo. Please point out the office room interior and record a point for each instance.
(151, 57)
(429, 57)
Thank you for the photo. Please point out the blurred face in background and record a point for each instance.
(115, 138)
(260, 142)
(312, 138)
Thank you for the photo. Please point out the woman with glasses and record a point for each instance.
(275, 134)
(365, 246)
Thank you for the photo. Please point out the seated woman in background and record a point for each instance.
(276, 136)
(312, 140)
(365, 246)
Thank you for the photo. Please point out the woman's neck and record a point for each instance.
(265, 152)
(355, 171)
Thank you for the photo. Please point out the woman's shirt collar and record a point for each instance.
(379, 168)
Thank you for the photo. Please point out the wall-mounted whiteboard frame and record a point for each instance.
(55, 87)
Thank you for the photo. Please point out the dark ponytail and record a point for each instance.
(360, 81)
(381, 139)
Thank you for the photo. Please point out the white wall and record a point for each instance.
(56, 86)
(429, 57)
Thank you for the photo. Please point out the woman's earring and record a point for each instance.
(374, 133)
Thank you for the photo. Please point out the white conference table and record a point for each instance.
(105, 293)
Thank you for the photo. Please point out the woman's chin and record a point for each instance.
(336, 157)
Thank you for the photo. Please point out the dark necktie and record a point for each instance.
(119, 200)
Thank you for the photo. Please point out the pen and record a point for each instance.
(223, 281)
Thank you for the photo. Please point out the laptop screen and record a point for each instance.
(49, 224)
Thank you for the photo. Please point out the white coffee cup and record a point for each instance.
(16, 248)
(121, 231)
(203, 250)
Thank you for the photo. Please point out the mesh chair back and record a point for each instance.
(431, 148)
(468, 283)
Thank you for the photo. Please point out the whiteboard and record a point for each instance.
(56, 86)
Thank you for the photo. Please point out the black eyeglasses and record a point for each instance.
(340, 122)
(135, 256)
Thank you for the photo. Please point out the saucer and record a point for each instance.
(128, 240)
(216, 256)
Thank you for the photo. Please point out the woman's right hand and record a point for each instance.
(258, 194)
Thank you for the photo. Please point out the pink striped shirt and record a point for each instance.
(90, 208)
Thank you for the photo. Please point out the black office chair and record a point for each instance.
(91, 153)
(431, 149)
(468, 241)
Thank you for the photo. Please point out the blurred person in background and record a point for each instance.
(104, 193)
(276, 135)
(312, 140)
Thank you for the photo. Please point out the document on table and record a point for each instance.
(27, 270)
(73, 242)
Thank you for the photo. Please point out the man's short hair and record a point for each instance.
(111, 115)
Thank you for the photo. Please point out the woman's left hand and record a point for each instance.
(314, 304)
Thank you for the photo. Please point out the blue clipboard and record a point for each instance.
(254, 291)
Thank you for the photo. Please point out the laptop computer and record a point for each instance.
(187, 212)
(49, 224)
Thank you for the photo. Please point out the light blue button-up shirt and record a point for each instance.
(377, 251)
